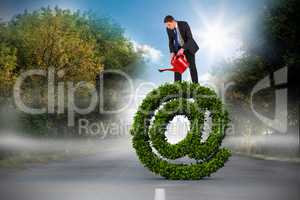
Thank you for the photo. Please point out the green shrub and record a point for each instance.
(175, 99)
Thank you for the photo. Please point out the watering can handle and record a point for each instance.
(183, 55)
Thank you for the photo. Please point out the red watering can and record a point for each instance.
(179, 63)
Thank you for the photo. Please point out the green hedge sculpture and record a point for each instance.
(159, 107)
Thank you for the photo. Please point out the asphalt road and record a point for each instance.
(115, 173)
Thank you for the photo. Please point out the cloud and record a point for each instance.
(205, 78)
(149, 53)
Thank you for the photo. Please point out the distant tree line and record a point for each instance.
(80, 45)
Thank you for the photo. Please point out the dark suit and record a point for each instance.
(190, 48)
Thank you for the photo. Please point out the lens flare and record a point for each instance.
(219, 40)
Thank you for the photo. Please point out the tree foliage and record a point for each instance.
(272, 44)
(80, 44)
(7, 66)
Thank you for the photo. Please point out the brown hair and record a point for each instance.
(168, 18)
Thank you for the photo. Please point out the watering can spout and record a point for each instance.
(166, 69)
(179, 63)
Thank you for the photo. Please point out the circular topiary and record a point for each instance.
(159, 107)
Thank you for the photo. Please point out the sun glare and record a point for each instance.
(216, 39)
(218, 36)
(219, 41)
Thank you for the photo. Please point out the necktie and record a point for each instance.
(176, 43)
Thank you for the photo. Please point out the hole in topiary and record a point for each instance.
(177, 129)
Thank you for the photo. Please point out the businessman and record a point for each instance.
(181, 41)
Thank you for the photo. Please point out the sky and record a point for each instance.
(217, 26)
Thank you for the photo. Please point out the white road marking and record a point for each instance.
(160, 194)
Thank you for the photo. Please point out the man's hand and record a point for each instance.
(180, 52)
(172, 56)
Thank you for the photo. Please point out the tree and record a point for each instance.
(7, 66)
(79, 45)
(274, 43)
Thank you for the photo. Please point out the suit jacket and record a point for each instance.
(186, 34)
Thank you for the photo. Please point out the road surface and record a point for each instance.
(115, 173)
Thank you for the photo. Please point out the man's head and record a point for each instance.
(170, 22)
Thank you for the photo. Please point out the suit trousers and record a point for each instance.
(193, 70)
